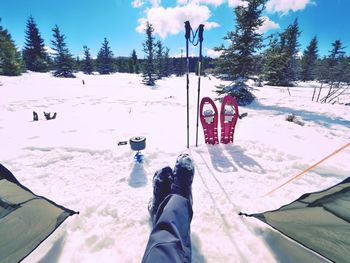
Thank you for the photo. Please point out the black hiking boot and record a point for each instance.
(183, 177)
(161, 188)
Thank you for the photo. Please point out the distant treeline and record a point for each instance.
(35, 57)
(279, 62)
(177, 65)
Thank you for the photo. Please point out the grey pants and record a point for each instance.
(170, 239)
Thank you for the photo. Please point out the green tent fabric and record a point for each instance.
(26, 219)
(320, 221)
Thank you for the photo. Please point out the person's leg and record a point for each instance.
(170, 239)
(161, 188)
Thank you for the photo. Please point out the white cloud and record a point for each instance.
(211, 2)
(284, 6)
(137, 3)
(155, 3)
(142, 25)
(49, 50)
(210, 25)
(171, 20)
(235, 3)
(140, 3)
(213, 54)
(182, 2)
(267, 25)
(206, 2)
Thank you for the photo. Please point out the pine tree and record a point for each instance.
(280, 58)
(134, 63)
(77, 64)
(335, 68)
(122, 64)
(237, 61)
(11, 63)
(159, 59)
(167, 63)
(130, 66)
(105, 58)
(63, 60)
(274, 63)
(34, 54)
(258, 66)
(334, 62)
(149, 71)
(87, 65)
(289, 45)
(346, 69)
(322, 70)
(309, 60)
(329, 68)
(333, 72)
(180, 65)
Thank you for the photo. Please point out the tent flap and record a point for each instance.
(26, 219)
(319, 221)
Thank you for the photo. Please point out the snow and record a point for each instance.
(75, 161)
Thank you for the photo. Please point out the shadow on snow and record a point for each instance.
(223, 164)
(317, 118)
(138, 176)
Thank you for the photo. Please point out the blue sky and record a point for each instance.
(87, 22)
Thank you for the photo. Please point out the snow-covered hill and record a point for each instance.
(75, 161)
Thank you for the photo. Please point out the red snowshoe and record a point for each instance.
(228, 119)
(209, 120)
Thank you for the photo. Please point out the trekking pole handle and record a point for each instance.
(200, 39)
(187, 29)
(200, 32)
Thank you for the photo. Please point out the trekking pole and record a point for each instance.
(200, 37)
(187, 36)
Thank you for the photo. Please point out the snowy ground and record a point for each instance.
(75, 161)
